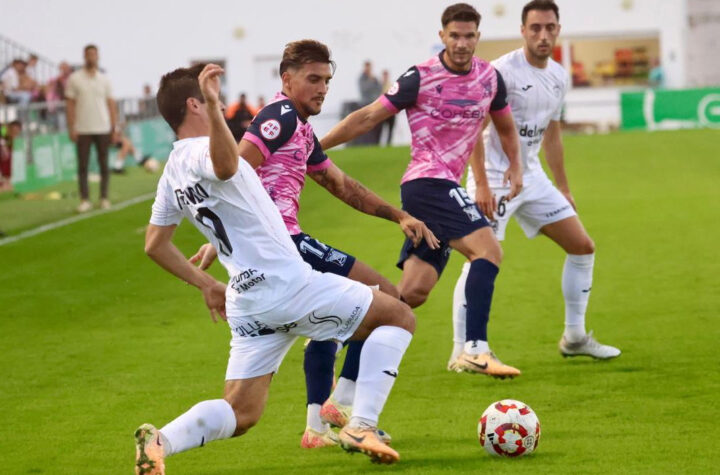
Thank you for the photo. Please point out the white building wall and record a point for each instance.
(140, 40)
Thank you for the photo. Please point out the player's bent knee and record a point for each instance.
(586, 246)
(415, 296)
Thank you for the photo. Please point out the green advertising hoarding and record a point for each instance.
(670, 109)
(54, 157)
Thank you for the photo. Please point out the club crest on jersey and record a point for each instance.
(270, 129)
(393, 89)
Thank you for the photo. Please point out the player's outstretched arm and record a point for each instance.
(362, 199)
(505, 126)
(159, 246)
(223, 148)
(555, 158)
(359, 122)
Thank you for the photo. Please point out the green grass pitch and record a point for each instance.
(95, 339)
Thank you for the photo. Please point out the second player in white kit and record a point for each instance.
(536, 88)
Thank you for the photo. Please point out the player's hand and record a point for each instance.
(205, 256)
(486, 201)
(569, 197)
(416, 231)
(514, 176)
(73, 136)
(214, 295)
(209, 80)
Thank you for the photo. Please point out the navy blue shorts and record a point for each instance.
(322, 257)
(445, 207)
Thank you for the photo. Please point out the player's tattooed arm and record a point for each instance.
(555, 158)
(358, 123)
(362, 199)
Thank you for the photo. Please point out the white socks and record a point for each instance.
(379, 360)
(476, 347)
(313, 418)
(344, 392)
(459, 313)
(576, 283)
(204, 422)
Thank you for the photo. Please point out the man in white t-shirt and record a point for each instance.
(536, 87)
(91, 119)
(273, 295)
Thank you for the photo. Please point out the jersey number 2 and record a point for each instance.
(212, 221)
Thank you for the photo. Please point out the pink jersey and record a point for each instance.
(445, 110)
(291, 149)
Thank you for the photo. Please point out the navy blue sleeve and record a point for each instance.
(404, 92)
(317, 156)
(500, 101)
(272, 127)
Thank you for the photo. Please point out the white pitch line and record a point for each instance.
(74, 219)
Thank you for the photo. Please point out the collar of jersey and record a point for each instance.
(451, 70)
(177, 143)
(293, 106)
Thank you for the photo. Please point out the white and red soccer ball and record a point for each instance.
(509, 428)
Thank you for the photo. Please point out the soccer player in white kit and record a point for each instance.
(273, 295)
(536, 87)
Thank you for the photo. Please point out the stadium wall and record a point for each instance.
(54, 156)
(141, 40)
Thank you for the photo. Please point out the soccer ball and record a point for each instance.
(509, 428)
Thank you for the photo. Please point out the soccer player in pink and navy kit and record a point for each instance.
(281, 144)
(447, 99)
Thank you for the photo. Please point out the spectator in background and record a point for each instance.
(260, 104)
(31, 64)
(239, 115)
(15, 83)
(91, 118)
(7, 139)
(147, 105)
(389, 123)
(656, 76)
(56, 86)
(370, 87)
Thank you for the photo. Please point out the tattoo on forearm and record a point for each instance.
(385, 212)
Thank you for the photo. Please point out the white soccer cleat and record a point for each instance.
(588, 346)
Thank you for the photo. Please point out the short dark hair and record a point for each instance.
(302, 52)
(460, 12)
(175, 89)
(543, 5)
(89, 47)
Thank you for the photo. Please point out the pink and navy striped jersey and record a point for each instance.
(445, 110)
(291, 149)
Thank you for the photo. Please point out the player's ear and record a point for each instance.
(285, 77)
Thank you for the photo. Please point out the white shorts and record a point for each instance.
(330, 308)
(538, 204)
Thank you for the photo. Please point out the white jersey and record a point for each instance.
(536, 97)
(238, 217)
